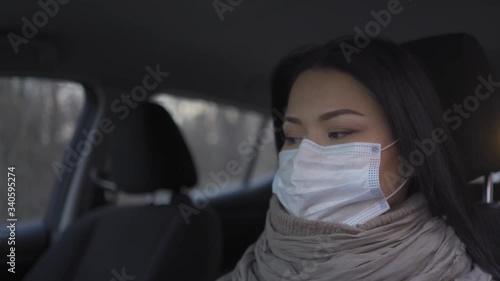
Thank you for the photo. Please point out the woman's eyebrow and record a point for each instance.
(336, 113)
(324, 116)
(293, 119)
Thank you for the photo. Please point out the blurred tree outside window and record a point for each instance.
(217, 134)
(38, 121)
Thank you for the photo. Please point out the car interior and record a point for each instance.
(127, 194)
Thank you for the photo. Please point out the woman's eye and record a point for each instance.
(291, 140)
(338, 135)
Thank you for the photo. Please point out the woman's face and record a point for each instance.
(331, 107)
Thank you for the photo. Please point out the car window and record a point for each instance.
(223, 140)
(38, 120)
(480, 180)
(266, 161)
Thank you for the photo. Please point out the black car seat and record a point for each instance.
(460, 71)
(141, 242)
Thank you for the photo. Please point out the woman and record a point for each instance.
(351, 201)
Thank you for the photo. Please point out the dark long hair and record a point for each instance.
(412, 106)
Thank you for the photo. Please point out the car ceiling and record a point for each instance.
(111, 42)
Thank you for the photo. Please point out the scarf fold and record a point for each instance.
(406, 243)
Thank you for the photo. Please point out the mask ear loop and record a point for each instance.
(404, 182)
(398, 189)
(389, 145)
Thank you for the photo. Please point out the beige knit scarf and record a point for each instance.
(406, 243)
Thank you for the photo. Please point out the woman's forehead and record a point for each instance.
(319, 90)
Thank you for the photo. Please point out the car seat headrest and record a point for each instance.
(148, 152)
(469, 94)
